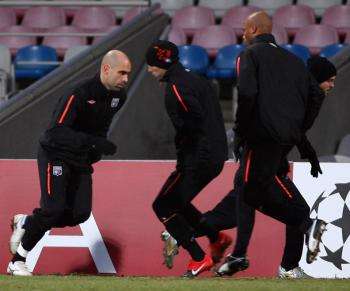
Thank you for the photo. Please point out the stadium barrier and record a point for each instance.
(122, 236)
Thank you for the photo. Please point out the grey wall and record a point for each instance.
(145, 130)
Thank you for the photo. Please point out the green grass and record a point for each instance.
(172, 284)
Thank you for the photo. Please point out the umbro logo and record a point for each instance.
(91, 102)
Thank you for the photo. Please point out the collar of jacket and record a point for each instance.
(265, 37)
(101, 90)
(172, 71)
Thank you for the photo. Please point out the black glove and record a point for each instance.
(315, 166)
(238, 147)
(104, 146)
(307, 152)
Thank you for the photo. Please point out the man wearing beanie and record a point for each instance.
(201, 146)
(323, 71)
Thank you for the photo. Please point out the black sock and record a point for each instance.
(238, 254)
(18, 257)
(180, 230)
(194, 250)
(209, 231)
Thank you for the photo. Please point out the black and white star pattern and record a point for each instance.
(343, 222)
(335, 257)
(318, 202)
(343, 190)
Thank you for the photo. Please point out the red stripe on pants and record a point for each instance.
(284, 188)
(247, 168)
(49, 178)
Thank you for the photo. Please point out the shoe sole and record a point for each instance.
(9, 271)
(168, 258)
(12, 273)
(311, 256)
(239, 269)
(13, 228)
(218, 274)
(190, 275)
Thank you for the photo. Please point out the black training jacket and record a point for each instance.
(195, 112)
(78, 119)
(278, 99)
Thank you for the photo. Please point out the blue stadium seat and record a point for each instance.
(299, 50)
(43, 59)
(331, 50)
(194, 58)
(225, 63)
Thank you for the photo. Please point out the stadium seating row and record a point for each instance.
(196, 58)
(291, 17)
(198, 21)
(34, 61)
(213, 37)
(42, 18)
(221, 6)
(61, 42)
(39, 20)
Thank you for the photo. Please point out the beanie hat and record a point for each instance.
(321, 68)
(162, 54)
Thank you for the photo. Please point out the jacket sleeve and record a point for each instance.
(61, 132)
(305, 148)
(247, 82)
(313, 104)
(189, 112)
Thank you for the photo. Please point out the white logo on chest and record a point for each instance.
(115, 102)
(57, 170)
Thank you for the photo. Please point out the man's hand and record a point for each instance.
(315, 166)
(307, 152)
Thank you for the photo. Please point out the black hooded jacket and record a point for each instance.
(278, 99)
(79, 119)
(195, 112)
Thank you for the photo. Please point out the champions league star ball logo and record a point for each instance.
(333, 207)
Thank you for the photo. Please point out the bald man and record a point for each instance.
(75, 139)
(278, 101)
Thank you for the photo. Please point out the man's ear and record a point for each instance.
(254, 29)
(106, 68)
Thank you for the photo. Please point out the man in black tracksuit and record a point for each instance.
(278, 101)
(200, 140)
(220, 217)
(75, 139)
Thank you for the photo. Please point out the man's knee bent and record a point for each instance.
(80, 218)
(162, 208)
(48, 218)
